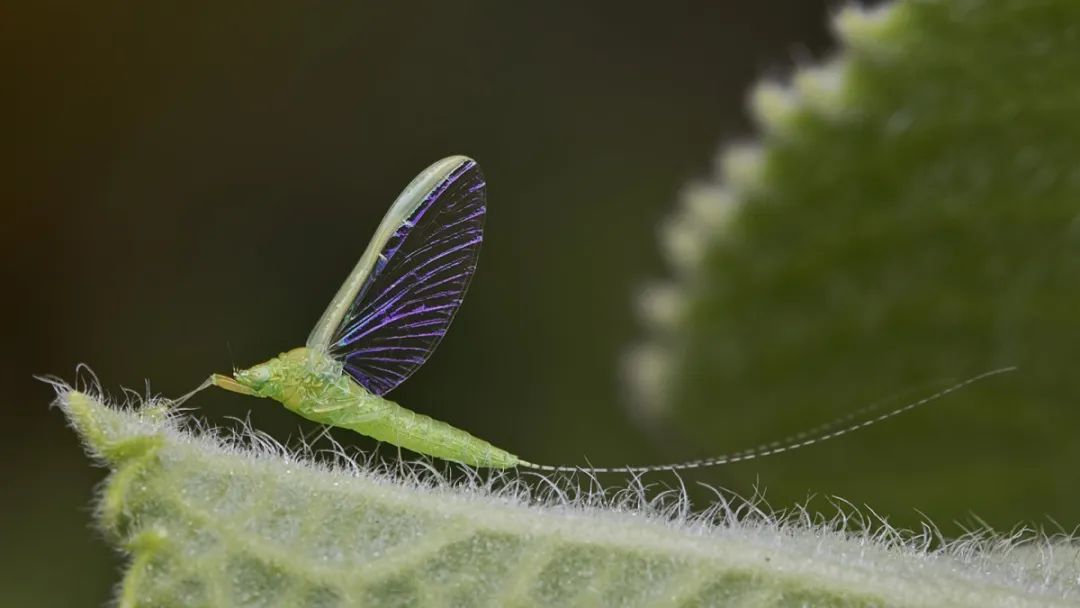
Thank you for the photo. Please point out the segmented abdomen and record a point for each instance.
(419, 433)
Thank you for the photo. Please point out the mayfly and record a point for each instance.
(390, 314)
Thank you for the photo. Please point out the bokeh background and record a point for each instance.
(188, 183)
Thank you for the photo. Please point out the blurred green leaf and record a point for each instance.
(908, 218)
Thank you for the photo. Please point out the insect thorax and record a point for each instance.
(307, 379)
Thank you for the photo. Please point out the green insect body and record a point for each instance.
(393, 310)
(384, 321)
(314, 385)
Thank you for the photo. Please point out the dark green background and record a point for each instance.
(183, 179)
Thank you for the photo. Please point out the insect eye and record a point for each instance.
(254, 377)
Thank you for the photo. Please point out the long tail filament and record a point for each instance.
(818, 434)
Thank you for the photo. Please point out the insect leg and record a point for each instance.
(229, 384)
(333, 406)
(186, 396)
(356, 414)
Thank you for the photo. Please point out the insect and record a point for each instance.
(391, 313)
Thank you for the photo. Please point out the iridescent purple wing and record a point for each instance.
(418, 280)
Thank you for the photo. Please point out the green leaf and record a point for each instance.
(211, 519)
(908, 217)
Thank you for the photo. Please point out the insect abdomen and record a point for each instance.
(420, 433)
